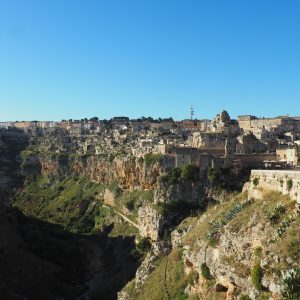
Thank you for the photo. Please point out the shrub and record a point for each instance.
(135, 254)
(151, 158)
(274, 215)
(193, 277)
(284, 225)
(189, 172)
(255, 181)
(114, 187)
(290, 284)
(257, 252)
(244, 297)
(174, 175)
(144, 245)
(205, 272)
(130, 204)
(256, 276)
(213, 175)
(216, 225)
(289, 184)
(166, 236)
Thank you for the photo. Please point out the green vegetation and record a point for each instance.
(256, 272)
(151, 158)
(114, 187)
(144, 245)
(174, 175)
(284, 225)
(217, 225)
(275, 214)
(213, 212)
(213, 175)
(175, 212)
(71, 202)
(244, 297)
(133, 200)
(189, 172)
(228, 178)
(141, 249)
(193, 277)
(290, 284)
(54, 246)
(255, 181)
(168, 278)
(257, 253)
(289, 184)
(205, 272)
(256, 276)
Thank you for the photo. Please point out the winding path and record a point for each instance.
(123, 216)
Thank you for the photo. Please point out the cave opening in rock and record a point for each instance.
(221, 288)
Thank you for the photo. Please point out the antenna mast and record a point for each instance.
(192, 112)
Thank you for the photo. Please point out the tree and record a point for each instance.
(189, 172)
(94, 119)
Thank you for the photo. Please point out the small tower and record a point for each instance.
(192, 113)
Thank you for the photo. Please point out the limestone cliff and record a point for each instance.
(242, 248)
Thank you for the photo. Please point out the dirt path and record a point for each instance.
(123, 216)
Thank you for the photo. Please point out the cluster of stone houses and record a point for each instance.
(223, 142)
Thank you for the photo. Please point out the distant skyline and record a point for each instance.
(63, 59)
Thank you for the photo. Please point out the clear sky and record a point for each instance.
(84, 58)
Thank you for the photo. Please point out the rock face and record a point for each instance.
(109, 197)
(208, 141)
(145, 269)
(148, 265)
(150, 223)
(186, 191)
(220, 121)
(177, 237)
(231, 261)
(128, 171)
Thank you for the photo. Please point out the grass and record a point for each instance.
(213, 212)
(175, 281)
(256, 276)
(288, 246)
(258, 211)
(71, 203)
(240, 268)
(133, 200)
(261, 209)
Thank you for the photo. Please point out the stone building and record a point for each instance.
(288, 155)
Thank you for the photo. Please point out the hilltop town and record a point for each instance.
(222, 142)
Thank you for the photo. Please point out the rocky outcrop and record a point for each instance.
(150, 222)
(185, 191)
(109, 197)
(231, 260)
(128, 171)
(157, 249)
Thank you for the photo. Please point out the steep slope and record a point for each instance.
(239, 249)
(44, 253)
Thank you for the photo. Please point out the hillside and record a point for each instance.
(106, 227)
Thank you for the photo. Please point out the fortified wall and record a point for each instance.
(286, 182)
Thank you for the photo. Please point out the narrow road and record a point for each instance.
(123, 216)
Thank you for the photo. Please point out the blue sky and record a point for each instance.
(84, 58)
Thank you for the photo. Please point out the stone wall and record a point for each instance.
(286, 182)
